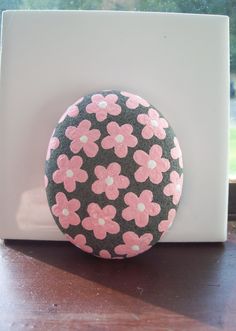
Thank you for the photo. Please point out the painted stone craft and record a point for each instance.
(113, 174)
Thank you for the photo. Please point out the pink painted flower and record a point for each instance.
(109, 180)
(45, 181)
(66, 210)
(71, 111)
(100, 221)
(105, 254)
(134, 100)
(133, 244)
(80, 241)
(83, 137)
(53, 144)
(174, 188)
(154, 124)
(101, 106)
(120, 137)
(152, 165)
(69, 172)
(140, 208)
(164, 225)
(176, 152)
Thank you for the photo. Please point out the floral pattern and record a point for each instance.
(83, 138)
(152, 165)
(100, 221)
(120, 137)
(140, 208)
(114, 174)
(69, 172)
(101, 106)
(164, 225)
(53, 144)
(174, 188)
(71, 111)
(80, 241)
(109, 180)
(176, 152)
(65, 210)
(154, 124)
(105, 254)
(133, 244)
(134, 100)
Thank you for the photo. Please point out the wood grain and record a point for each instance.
(54, 286)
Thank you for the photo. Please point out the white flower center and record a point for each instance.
(83, 139)
(65, 212)
(69, 173)
(101, 221)
(178, 187)
(152, 164)
(135, 248)
(119, 138)
(102, 104)
(109, 180)
(154, 123)
(140, 206)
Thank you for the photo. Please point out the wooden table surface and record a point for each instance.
(54, 286)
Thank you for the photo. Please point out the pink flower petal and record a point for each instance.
(146, 196)
(122, 181)
(76, 161)
(154, 209)
(76, 146)
(121, 150)
(140, 157)
(155, 152)
(147, 132)
(80, 241)
(156, 176)
(164, 225)
(141, 219)
(93, 209)
(96, 98)
(128, 214)
(131, 198)
(62, 161)
(83, 176)
(73, 111)
(91, 149)
(92, 108)
(113, 128)
(71, 132)
(109, 211)
(100, 172)
(114, 169)
(111, 98)
(112, 192)
(105, 254)
(108, 142)
(87, 223)
(143, 119)
(101, 116)
(98, 187)
(141, 174)
(174, 176)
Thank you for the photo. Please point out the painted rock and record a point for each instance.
(113, 174)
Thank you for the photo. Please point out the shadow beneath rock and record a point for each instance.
(193, 280)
